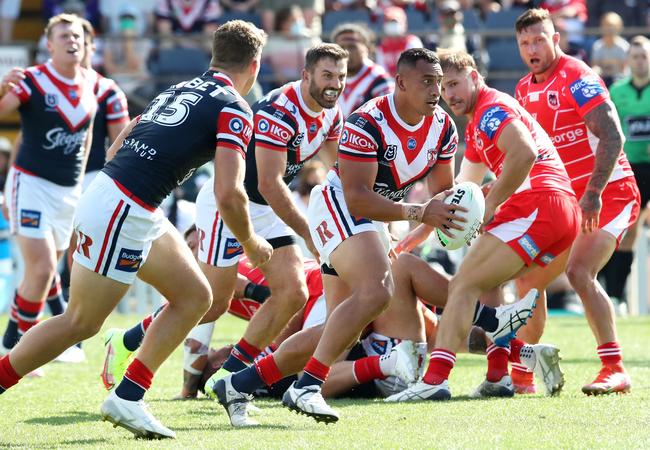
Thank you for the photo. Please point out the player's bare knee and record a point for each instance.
(82, 326)
(291, 296)
(376, 298)
(579, 277)
(41, 272)
(217, 309)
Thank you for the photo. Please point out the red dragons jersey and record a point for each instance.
(370, 82)
(245, 308)
(560, 105)
(493, 111)
(403, 153)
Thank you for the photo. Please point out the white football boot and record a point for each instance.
(309, 401)
(401, 362)
(544, 360)
(501, 388)
(234, 402)
(511, 318)
(422, 391)
(135, 417)
(72, 355)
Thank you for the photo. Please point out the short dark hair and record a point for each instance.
(321, 51)
(359, 28)
(532, 17)
(411, 57)
(235, 44)
(639, 41)
(189, 231)
(456, 60)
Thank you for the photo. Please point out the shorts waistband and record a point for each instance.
(133, 197)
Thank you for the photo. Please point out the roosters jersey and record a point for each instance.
(370, 82)
(284, 123)
(493, 111)
(56, 113)
(245, 308)
(178, 132)
(112, 108)
(188, 16)
(560, 105)
(403, 153)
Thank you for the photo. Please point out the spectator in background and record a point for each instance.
(286, 47)
(486, 7)
(451, 33)
(142, 11)
(568, 47)
(631, 96)
(88, 9)
(609, 53)
(311, 9)
(396, 39)
(186, 17)
(572, 12)
(241, 6)
(338, 5)
(9, 11)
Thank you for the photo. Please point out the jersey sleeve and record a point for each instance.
(357, 142)
(493, 120)
(117, 109)
(585, 90)
(234, 128)
(23, 91)
(448, 143)
(337, 126)
(273, 128)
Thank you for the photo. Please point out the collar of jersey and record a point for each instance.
(57, 75)
(398, 119)
(303, 105)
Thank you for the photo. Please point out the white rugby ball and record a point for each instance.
(470, 196)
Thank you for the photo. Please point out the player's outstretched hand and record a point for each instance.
(437, 213)
(590, 204)
(414, 238)
(258, 250)
(11, 79)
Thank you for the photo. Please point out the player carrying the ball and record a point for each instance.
(531, 212)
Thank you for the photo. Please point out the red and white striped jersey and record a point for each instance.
(560, 105)
(370, 82)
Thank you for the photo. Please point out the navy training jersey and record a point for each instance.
(56, 113)
(112, 108)
(403, 153)
(179, 132)
(284, 123)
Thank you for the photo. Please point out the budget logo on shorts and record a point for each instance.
(263, 126)
(529, 246)
(129, 260)
(232, 248)
(585, 89)
(30, 219)
(51, 100)
(236, 125)
(379, 346)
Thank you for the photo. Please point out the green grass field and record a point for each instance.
(62, 409)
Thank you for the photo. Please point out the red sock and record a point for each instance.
(268, 370)
(367, 369)
(515, 348)
(440, 364)
(55, 289)
(610, 354)
(497, 358)
(8, 376)
(139, 374)
(28, 313)
(245, 352)
(521, 376)
(317, 369)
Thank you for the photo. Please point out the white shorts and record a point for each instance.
(217, 245)
(39, 208)
(330, 222)
(115, 233)
(88, 178)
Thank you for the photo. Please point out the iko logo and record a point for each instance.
(358, 141)
(232, 248)
(30, 218)
(129, 260)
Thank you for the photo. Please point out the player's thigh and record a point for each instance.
(37, 251)
(413, 274)
(284, 271)
(171, 268)
(222, 280)
(539, 277)
(591, 251)
(335, 289)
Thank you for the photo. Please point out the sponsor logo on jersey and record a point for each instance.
(298, 140)
(280, 132)
(553, 99)
(236, 125)
(361, 122)
(73, 95)
(568, 136)
(432, 154)
(232, 248)
(491, 120)
(585, 89)
(129, 260)
(59, 138)
(263, 125)
(312, 128)
(358, 141)
(51, 99)
(529, 246)
(278, 114)
(411, 143)
(344, 137)
(30, 218)
(391, 152)
(293, 169)
(385, 191)
(377, 115)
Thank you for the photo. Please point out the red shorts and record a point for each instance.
(538, 226)
(621, 205)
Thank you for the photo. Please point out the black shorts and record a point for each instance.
(642, 175)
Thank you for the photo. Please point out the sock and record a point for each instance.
(10, 337)
(8, 376)
(521, 376)
(515, 349)
(135, 383)
(55, 300)
(257, 292)
(485, 317)
(617, 270)
(28, 313)
(497, 358)
(133, 337)
(264, 372)
(196, 347)
(315, 373)
(242, 355)
(610, 354)
(367, 369)
(440, 365)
